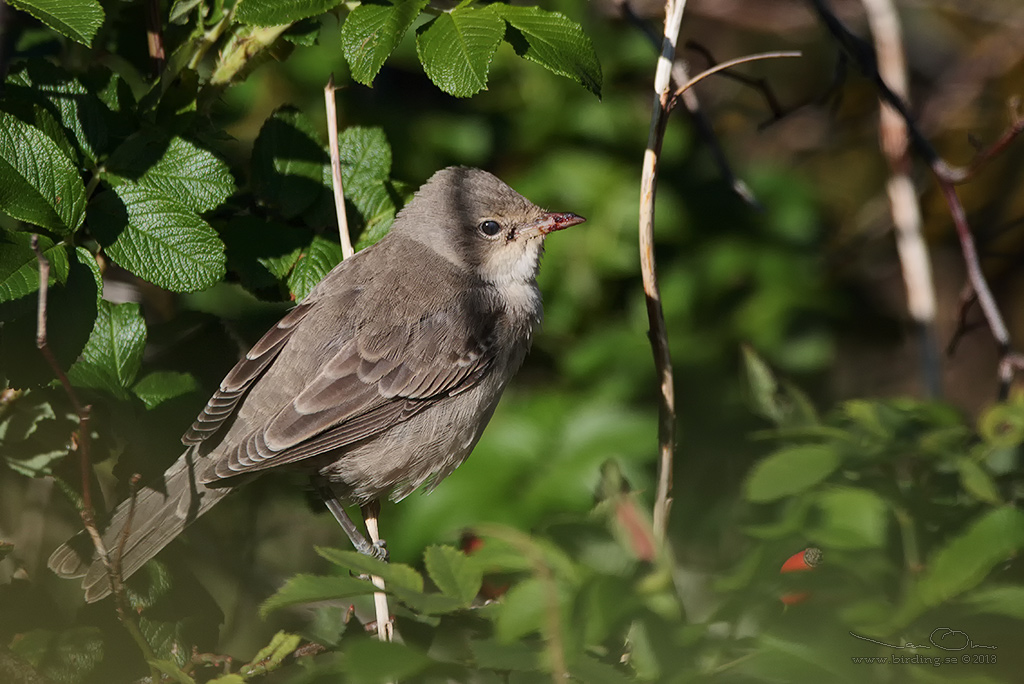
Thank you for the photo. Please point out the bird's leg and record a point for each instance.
(376, 550)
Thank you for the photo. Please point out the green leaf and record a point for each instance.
(172, 671)
(365, 157)
(998, 600)
(5, 549)
(78, 20)
(270, 656)
(262, 252)
(790, 470)
(176, 169)
(977, 481)
(157, 239)
(372, 661)
(276, 12)
(312, 588)
(454, 573)
(515, 656)
(71, 313)
(316, 261)
(82, 116)
(288, 162)
(160, 386)
(38, 183)
(19, 266)
(522, 610)
(397, 574)
(180, 11)
(1003, 424)
(968, 558)
(113, 354)
(850, 518)
(372, 32)
(456, 48)
(554, 41)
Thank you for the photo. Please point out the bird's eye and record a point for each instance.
(489, 228)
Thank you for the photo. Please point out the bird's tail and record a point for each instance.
(158, 518)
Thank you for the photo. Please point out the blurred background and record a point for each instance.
(809, 278)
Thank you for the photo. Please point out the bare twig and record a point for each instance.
(903, 204)
(385, 627)
(726, 65)
(81, 442)
(947, 177)
(761, 85)
(655, 315)
(339, 190)
(680, 75)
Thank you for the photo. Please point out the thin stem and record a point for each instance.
(81, 441)
(385, 627)
(903, 203)
(655, 315)
(339, 189)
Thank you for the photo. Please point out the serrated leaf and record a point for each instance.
(968, 558)
(81, 114)
(78, 20)
(850, 518)
(38, 183)
(113, 354)
(554, 41)
(397, 574)
(160, 386)
(288, 162)
(372, 32)
(276, 12)
(977, 482)
(456, 48)
(157, 239)
(454, 573)
(312, 588)
(177, 169)
(790, 470)
(19, 266)
(365, 156)
(315, 262)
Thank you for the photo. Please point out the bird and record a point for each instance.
(378, 383)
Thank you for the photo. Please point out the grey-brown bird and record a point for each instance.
(380, 381)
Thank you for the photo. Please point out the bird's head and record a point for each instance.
(476, 221)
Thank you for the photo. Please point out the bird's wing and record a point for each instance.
(234, 386)
(380, 377)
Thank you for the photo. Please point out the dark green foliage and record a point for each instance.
(200, 192)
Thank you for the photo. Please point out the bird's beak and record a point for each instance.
(549, 223)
